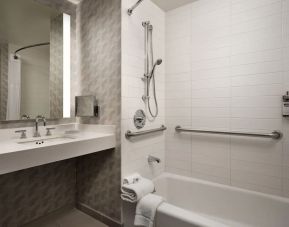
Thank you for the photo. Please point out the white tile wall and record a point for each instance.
(227, 66)
(134, 153)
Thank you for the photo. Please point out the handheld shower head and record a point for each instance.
(159, 61)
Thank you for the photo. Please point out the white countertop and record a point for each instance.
(67, 141)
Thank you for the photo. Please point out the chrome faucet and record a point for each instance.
(152, 159)
(37, 120)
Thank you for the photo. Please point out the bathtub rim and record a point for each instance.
(187, 216)
(221, 186)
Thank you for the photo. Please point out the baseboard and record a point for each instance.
(98, 215)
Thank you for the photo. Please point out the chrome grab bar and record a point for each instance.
(273, 135)
(130, 134)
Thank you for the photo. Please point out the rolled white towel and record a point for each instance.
(134, 192)
(146, 209)
(133, 178)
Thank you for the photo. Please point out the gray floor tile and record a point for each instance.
(67, 218)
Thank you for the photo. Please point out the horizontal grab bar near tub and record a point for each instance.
(130, 134)
(273, 135)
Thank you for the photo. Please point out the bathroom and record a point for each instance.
(160, 113)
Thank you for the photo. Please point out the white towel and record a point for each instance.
(146, 209)
(135, 191)
(133, 178)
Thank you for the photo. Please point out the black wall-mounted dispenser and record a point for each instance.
(285, 105)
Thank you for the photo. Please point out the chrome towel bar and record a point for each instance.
(273, 135)
(130, 134)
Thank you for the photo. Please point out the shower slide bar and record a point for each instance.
(273, 135)
(130, 134)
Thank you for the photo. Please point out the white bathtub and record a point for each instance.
(191, 202)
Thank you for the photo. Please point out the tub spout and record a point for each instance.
(152, 159)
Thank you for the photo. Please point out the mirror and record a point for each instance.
(34, 61)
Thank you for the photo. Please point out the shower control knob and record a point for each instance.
(139, 119)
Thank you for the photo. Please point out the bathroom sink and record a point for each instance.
(50, 139)
(67, 141)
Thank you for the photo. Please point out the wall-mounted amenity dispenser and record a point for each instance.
(285, 105)
(86, 106)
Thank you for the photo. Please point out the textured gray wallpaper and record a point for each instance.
(99, 26)
(56, 67)
(3, 80)
(32, 193)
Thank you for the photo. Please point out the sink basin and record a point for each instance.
(50, 139)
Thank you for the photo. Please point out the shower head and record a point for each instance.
(158, 62)
(130, 10)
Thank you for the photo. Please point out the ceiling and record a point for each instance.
(167, 5)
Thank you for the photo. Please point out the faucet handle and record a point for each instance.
(48, 131)
(23, 133)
